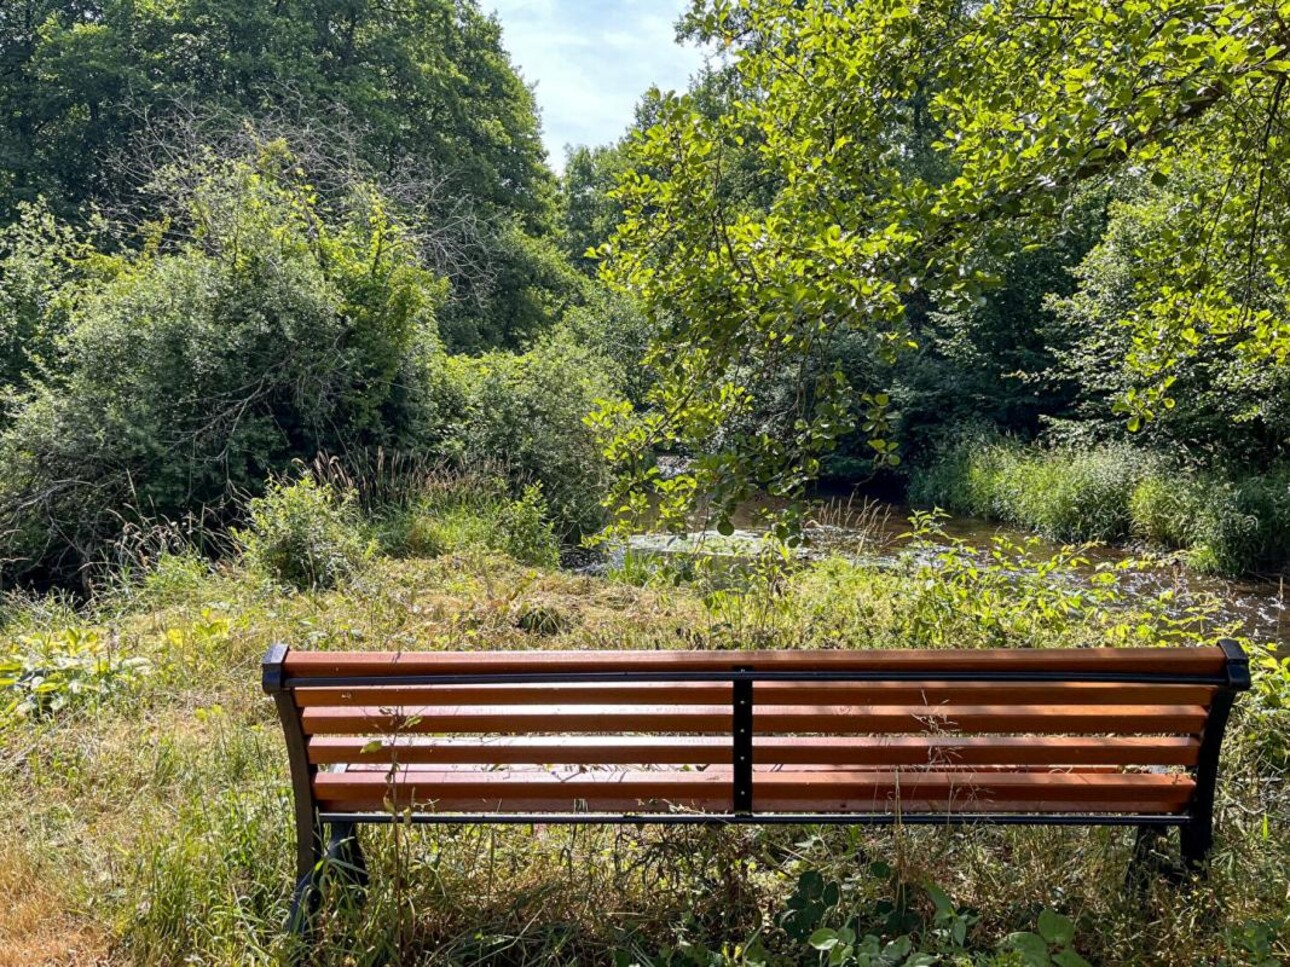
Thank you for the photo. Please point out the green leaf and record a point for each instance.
(823, 939)
(1055, 928)
(940, 899)
(1031, 946)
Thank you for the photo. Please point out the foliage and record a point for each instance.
(272, 329)
(908, 147)
(1112, 492)
(527, 285)
(37, 256)
(1064, 494)
(454, 513)
(1227, 407)
(589, 212)
(825, 928)
(428, 79)
(524, 413)
(58, 672)
(305, 535)
(614, 327)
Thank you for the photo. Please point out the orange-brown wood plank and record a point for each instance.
(851, 720)
(605, 791)
(1205, 660)
(533, 768)
(776, 787)
(764, 694)
(508, 750)
(1050, 751)
(783, 791)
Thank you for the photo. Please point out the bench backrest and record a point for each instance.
(678, 735)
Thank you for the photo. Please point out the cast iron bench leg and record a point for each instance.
(344, 849)
(306, 896)
(1146, 858)
(344, 855)
(1197, 839)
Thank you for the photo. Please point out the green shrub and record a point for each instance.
(305, 535)
(461, 512)
(1064, 494)
(265, 330)
(524, 415)
(1245, 525)
(1166, 510)
(1109, 492)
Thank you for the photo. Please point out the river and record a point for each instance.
(872, 530)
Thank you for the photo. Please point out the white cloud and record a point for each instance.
(591, 61)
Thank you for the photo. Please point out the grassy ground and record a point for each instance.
(150, 825)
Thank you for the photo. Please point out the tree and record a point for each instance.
(590, 213)
(426, 82)
(1028, 102)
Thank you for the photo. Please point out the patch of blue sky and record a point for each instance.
(591, 60)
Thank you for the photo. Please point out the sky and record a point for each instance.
(592, 60)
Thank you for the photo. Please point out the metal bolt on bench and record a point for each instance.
(1099, 736)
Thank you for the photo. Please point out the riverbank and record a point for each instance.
(1229, 525)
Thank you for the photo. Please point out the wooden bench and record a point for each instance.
(1122, 737)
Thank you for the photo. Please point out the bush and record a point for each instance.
(525, 415)
(50, 673)
(458, 513)
(268, 329)
(1064, 494)
(1108, 492)
(305, 535)
(1245, 525)
(1166, 510)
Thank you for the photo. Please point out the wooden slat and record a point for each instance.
(778, 788)
(764, 694)
(1053, 751)
(493, 790)
(722, 768)
(1078, 719)
(644, 693)
(1190, 661)
(782, 791)
(506, 750)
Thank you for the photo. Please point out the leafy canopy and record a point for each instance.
(1026, 101)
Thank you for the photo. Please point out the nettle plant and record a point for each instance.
(943, 938)
(63, 670)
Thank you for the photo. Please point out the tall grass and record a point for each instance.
(1115, 492)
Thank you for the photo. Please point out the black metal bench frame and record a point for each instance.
(313, 847)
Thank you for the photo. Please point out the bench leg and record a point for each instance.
(343, 855)
(1145, 858)
(1197, 839)
(304, 906)
(344, 849)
